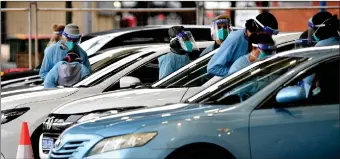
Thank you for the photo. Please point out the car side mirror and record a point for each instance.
(290, 94)
(129, 81)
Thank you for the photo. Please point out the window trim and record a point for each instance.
(145, 63)
(264, 103)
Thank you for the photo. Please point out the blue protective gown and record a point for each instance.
(329, 42)
(235, 46)
(171, 62)
(239, 64)
(55, 53)
(52, 76)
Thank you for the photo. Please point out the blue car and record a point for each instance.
(283, 107)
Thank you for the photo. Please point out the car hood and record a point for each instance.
(19, 90)
(131, 121)
(14, 101)
(126, 98)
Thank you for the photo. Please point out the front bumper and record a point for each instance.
(10, 135)
(137, 152)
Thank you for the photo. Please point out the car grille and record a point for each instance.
(67, 150)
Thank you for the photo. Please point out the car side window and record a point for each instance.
(252, 81)
(193, 77)
(317, 86)
(148, 73)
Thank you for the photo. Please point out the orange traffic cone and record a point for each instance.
(25, 147)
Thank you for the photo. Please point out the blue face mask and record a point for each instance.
(316, 38)
(188, 46)
(222, 34)
(262, 55)
(70, 45)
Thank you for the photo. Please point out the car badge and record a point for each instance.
(49, 122)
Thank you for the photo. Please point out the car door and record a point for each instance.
(297, 127)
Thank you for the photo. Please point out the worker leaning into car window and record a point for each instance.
(236, 44)
(220, 29)
(67, 72)
(260, 46)
(182, 43)
(324, 28)
(57, 52)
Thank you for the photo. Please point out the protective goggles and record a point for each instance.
(265, 47)
(267, 29)
(70, 37)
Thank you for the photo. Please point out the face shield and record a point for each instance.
(303, 43)
(267, 29)
(187, 41)
(71, 40)
(58, 32)
(312, 29)
(220, 29)
(265, 50)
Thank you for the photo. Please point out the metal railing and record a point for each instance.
(199, 11)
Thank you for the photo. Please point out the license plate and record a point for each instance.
(47, 143)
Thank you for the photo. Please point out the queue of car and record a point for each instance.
(123, 109)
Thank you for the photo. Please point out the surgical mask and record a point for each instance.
(316, 38)
(222, 34)
(188, 46)
(70, 45)
(262, 55)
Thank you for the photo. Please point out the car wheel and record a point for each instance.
(199, 151)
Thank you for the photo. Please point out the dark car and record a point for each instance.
(94, 42)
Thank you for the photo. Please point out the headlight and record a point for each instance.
(11, 114)
(96, 115)
(121, 142)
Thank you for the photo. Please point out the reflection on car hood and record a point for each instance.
(19, 90)
(126, 98)
(130, 121)
(13, 101)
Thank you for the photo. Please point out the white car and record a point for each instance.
(174, 88)
(33, 107)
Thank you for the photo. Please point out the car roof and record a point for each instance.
(155, 51)
(140, 28)
(322, 52)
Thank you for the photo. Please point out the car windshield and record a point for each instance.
(108, 71)
(248, 81)
(91, 46)
(109, 57)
